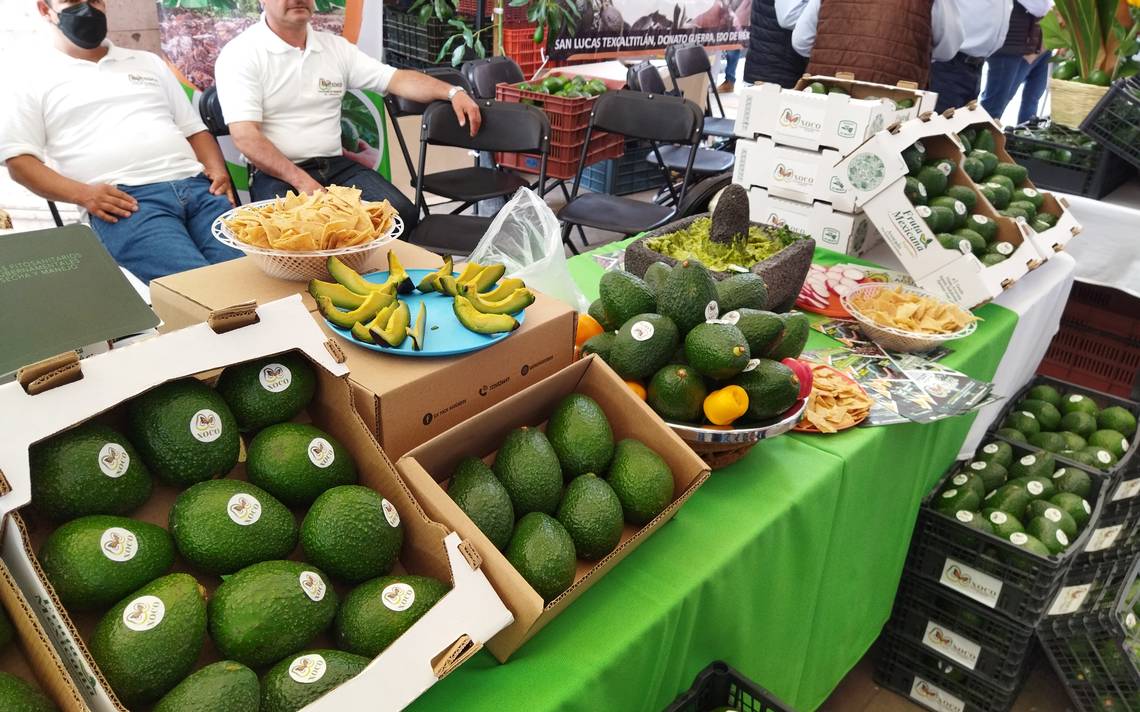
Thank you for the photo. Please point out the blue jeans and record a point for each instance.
(1007, 72)
(171, 230)
(957, 82)
(731, 59)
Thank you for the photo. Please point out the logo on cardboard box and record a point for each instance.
(866, 171)
(914, 233)
(935, 697)
(954, 646)
(847, 129)
(791, 174)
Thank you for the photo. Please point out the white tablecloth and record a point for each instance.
(1108, 249)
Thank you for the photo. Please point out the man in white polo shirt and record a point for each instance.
(280, 84)
(122, 141)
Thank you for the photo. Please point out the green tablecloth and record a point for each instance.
(784, 564)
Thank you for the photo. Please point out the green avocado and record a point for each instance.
(296, 463)
(641, 480)
(224, 686)
(268, 391)
(718, 351)
(18, 695)
(763, 330)
(624, 295)
(528, 467)
(377, 612)
(741, 291)
(676, 393)
(1048, 417)
(581, 436)
(643, 345)
(592, 516)
(542, 551)
(685, 296)
(996, 451)
(352, 533)
(295, 681)
(483, 499)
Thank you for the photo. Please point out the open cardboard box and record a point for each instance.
(1049, 241)
(795, 117)
(851, 234)
(30, 655)
(428, 468)
(404, 401)
(60, 396)
(792, 173)
(877, 173)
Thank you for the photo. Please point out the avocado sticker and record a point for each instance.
(144, 613)
(113, 460)
(321, 452)
(275, 377)
(641, 331)
(244, 509)
(313, 585)
(118, 544)
(398, 596)
(206, 426)
(390, 513)
(308, 669)
(866, 171)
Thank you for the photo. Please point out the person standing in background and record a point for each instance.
(1019, 61)
(958, 81)
(731, 59)
(883, 41)
(770, 54)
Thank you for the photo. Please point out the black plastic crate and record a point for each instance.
(987, 569)
(1115, 121)
(404, 61)
(719, 685)
(1116, 534)
(1091, 171)
(1103, 400)
(1092, 645)
(961, 632)
(631, 173)
(923, 677)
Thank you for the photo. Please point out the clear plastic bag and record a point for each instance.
(526, 237)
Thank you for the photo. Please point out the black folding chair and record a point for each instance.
(55, 213)
(511, 128)
(644, 76)
(651, 117)
(483, 75)
(690, 60)
(210, 109)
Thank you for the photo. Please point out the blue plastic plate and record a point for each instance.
(444, 336)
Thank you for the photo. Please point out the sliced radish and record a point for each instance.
(833, 282)
(843, 290)
(854, 274)
(817, 268)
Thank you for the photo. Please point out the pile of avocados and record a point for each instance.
(1072, 425)
(685, 337)
(1020, 496)
(270, 600)
(1031, 140)
(552, 497)
(821, 88)
(569, 87)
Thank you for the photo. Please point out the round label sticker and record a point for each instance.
(1076, 398)
(1053, 515)
(1103, 456)
(244, 509)
(1059, 473)
(1124, 445)
(119, 544)
(712, 311)
(960, 480)
(206, 426)
(144, 613)
(1085, 503)
(641, 331)
(1028, 414)
(963, 246)
(964, 516)
(1004, 248)
(390, 512)
(113, 460)
(398, 596)
(307, 669)
(1062, 537)
(945, 168)
(959, 207)
(977, 466)
(1018, 538)
(923, 211)
(1035, 488)
(920, 146)
(949, 494)
(998, 517)
(751, 365)
(274, 377)
(922, 190)
(1028, 460)
(313, 585)
(731, 317)
(866, 171)
(990, 449)
(981, 219)
(1029, 192)
(321, 452)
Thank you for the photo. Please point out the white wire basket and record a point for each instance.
(894, 339)
(300, 266)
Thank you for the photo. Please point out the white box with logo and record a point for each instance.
(851, 234)
(792, 173)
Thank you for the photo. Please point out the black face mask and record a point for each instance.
(84, 25)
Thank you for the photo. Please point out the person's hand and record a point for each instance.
(364, 154)
(220, 183)
(467, 111)
(306, 184)
(107, 202)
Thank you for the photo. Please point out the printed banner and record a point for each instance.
(608, 28)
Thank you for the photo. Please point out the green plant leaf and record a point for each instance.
(468, 36)
(446, 46)
(480, 50)
(458, 55)
(519, 3)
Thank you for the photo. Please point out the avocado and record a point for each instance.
(1079, 422)
(655, 275)
(965, 195)
(1003, 523)
(1075, 505)
(984, 140)
(988, 159)
(481, 496)
(295, 681)
(18, 695)
(624, 295)
(598, 311)
(1077, 403)
(1037, 487)
(915, 191)
(934, 180)
(581, 436)
(996, 451)
(150, 640)
(990, 259)
(1030, 543)
(1072, 441)
(983, 226)
(955, 206)
(1014, 213)
(676, 393)
(952, 242)
(184, 431)
(224, 525)
(1022, 421)
(1110, 440)
(268, 391)
(1044, 508)
(792, 339)
(337, 294)
(269, 610)
(352, 533)
(977, 242)
(772, 388)
(96, 560)
(1047, 218)
(1099, 457)
(542, 551)
(592, 516)
(1017, 174)
(993, 474)
(968, 480)
(1051, 442)
(377, 612)
(1039, 225)
(1011, 498)
(643, 345)
(1004, 181)
(224, 686)
(974, 168)
(742, 291)
(601, 344)
(1117, 418)
(528, 467)
(1031, 196)
(1049, 533)
(943, 164)
(718, 351)
(1048, 417)
(974, 520)
(998, 195)
(952, 500)
(913, 157)
(938, 218)
(1011, 434)
(685, 297)
(90, 469)
(641, 480)
(762, 330)
(296, 462)
(1026, 207)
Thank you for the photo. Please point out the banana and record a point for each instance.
(418, 331)
(396, 330)
(476, 321)
(517, 301)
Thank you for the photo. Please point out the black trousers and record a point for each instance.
(338, 170)
(958, 81)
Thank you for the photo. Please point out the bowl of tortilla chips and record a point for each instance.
(902, 318)
(292, 237)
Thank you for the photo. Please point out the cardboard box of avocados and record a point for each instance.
(841, 120)
(427, 470)
(849, 233)
(404, 401)
(877, 172)
(54, 396)
(28, 654)
(792, 173)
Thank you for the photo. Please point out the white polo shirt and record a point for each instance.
(295, 94)
(122, 120)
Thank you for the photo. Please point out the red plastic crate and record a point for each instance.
(1087, 357)
(518, 44)
(512, 16)
(603, 147)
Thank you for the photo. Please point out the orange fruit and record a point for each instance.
(637, 388)
(588, 328)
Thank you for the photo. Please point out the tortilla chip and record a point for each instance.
(326, 220)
